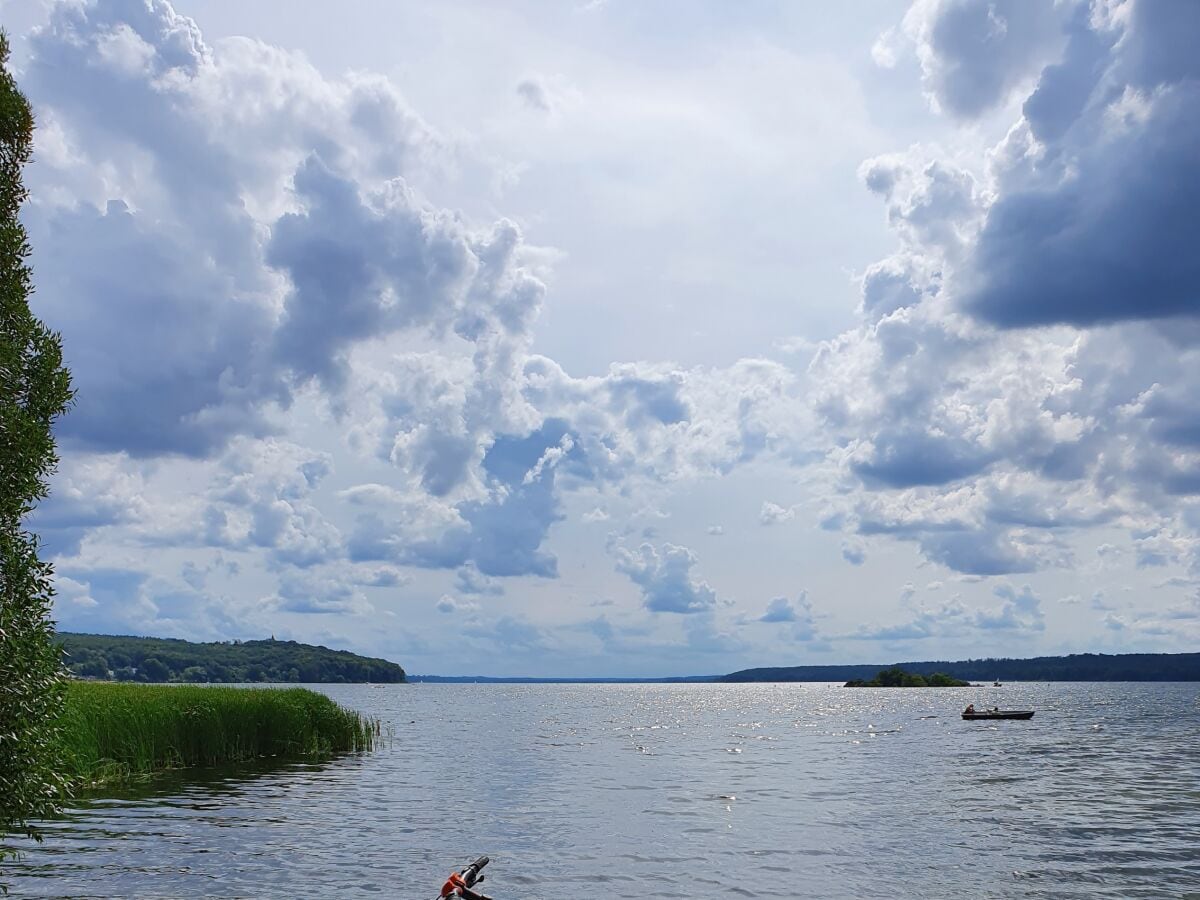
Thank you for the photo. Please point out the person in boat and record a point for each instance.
(455, 886)
(970, 708)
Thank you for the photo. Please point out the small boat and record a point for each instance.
(999, 714)
(996, 684)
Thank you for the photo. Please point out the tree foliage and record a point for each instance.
(121, 658)
(35, 389)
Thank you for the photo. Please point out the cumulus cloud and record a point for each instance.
(1189, 609)
(449, 604)
(665, 578)
(499, 534)
(512, 632)
(705, 635)
(87, 495)
(380, 577)
(1019, 614)
(797, 615)
(265, 263)
(324, 593)
(924, 624)
(985, 408)
(548, 96)
(772, 513)
(362, 269)
(1092, 187)
(663, 423)
(1021, 610)
(125, 600)
(1093, 228)
(104, 599)
(973, 53)
(263, 260)
(779, 610)
(1019, 371)
(469, 580)
(262, 497)
(534, 93)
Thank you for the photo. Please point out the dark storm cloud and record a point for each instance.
(915, 458)
(1115, 241)
(976, 552)
(166, 360)
(1103, 228)
(974, 52)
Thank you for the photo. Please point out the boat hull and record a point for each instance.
(1002, 714)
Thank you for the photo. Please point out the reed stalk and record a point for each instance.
(118, 732)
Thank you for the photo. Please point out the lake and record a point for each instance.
(698, 790)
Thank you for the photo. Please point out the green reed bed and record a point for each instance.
(115, 732)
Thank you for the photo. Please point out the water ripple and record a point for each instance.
(661, 790)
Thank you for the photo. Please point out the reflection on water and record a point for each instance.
(670, 790)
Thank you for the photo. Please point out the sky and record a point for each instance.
(623, 339)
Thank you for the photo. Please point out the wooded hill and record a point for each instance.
(1076, 667)
(123, 658)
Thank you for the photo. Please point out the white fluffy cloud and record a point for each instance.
(665, 578)
(798, 616)
(985, 409)
(310, 389)
(270, 237)
(254, 274)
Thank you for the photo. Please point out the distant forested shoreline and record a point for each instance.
(1076, 667)
(126, 658)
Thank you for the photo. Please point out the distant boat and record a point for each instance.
(996, 683)
(999, 714)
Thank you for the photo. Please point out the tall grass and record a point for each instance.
(115, 732)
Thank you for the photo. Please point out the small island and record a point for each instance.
(897, 677)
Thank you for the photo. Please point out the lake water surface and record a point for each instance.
(612, 791)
